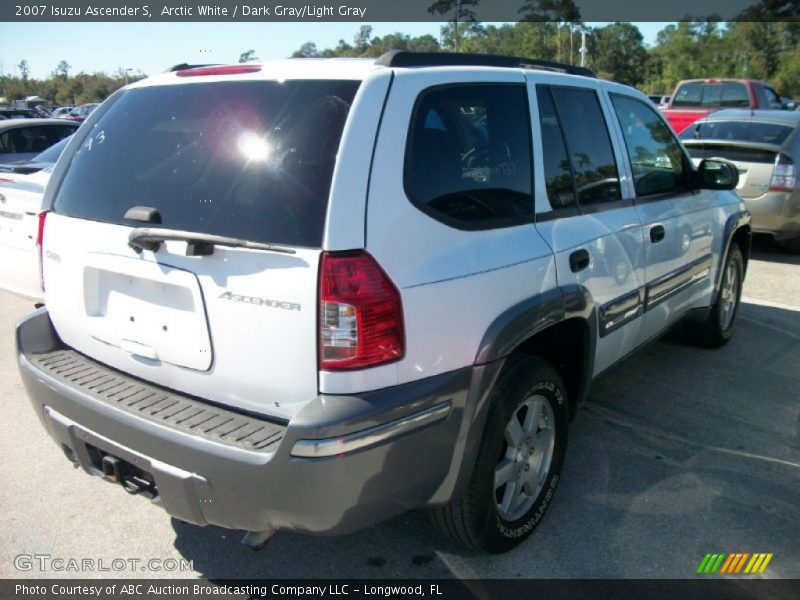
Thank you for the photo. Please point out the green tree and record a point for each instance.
(617, 52)
(62, 70)
(462, 22)
(307, 50)
(24, 69)
(248, 56)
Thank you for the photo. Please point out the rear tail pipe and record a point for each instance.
(256, 540)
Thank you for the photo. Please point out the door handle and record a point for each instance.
(657, 233)
(579, 260)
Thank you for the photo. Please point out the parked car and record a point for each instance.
(62, 112)
(19, 113)
(765, 147)
(20, 203)
(659, 100)
(313, 294)
(38, 162)
(696, 98)
(23, 139)
(79, 113)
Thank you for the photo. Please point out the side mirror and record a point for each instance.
(714, 174)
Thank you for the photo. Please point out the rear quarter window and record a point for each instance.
(247, 159)
(468, 156)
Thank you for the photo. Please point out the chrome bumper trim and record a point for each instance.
(371, 436)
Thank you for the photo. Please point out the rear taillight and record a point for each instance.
(225, 70)
(784, 177)
(361, 317)
(39, 244)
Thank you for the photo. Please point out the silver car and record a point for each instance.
(765, 147)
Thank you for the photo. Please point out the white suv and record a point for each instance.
(314, 294)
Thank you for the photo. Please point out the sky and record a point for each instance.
(152, 47)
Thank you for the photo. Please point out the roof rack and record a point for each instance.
(184, 66)
(404, 58)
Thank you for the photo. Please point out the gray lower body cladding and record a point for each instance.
(261, 486)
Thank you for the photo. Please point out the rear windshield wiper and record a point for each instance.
(198, 244)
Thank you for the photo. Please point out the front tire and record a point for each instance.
(717, 329)
(519, 461)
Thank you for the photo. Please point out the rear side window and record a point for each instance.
(251, 160)
(35, 138)
(773, 100)
(468, 157)
(657, 160)
(584, 157)
(738, 131)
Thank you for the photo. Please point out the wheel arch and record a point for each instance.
(738, 231)
(548, 325)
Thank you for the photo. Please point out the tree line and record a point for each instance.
(766, 50)
(63, 89)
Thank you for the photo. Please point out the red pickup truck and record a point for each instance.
(695, 98)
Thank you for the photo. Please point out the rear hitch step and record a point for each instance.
(256, 540)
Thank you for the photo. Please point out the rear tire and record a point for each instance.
(717, 329)
(519, 461)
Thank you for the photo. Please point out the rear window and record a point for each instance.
(712, 95)
(251, 160)
(52, 153)
(738, 131)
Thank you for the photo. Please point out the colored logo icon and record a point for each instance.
(740, 563)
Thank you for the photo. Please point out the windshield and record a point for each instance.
(53, 152)
(251, 160)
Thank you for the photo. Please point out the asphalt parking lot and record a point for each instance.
(679, 452)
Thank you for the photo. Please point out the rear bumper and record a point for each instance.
(404, 448)
(776, 213)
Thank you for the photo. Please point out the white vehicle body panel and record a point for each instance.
(450, 280)
(259, 358)
(20, 203)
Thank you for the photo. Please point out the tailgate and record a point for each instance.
(237, 327)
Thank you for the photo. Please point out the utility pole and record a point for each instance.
(571, 31)
(583, 49)
(455, 26)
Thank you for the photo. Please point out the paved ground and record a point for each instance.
(679, 452)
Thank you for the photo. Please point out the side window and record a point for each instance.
(5, 141)
(468, 156)
(557, 168)
(656, 157)
(588, 145)
(773, 101)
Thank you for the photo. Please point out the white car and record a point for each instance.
(20, 204)
(313, 294)
(61, 112)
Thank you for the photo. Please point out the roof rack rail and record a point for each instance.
(184, 66)
(404, 58)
